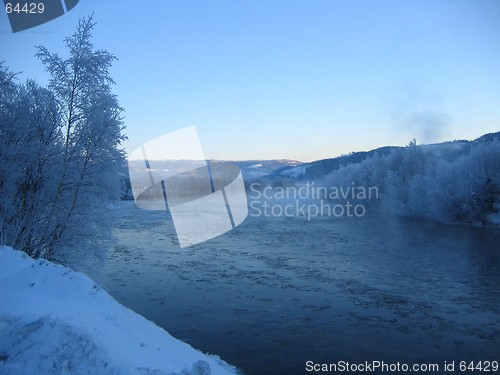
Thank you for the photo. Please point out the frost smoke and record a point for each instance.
(429, 126)
(420, 116)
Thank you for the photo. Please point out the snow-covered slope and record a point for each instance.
(57, 321)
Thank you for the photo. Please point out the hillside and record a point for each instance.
(318, 169)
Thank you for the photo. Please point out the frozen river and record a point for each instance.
(277, 292)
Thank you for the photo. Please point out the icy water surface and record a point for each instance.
(277, 292)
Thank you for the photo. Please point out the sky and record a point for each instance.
(289, 79)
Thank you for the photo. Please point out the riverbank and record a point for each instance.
(57, 321)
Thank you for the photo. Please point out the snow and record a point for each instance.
(494, 219)
(57, 321)
(295, 172)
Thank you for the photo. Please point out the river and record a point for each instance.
(277, 292)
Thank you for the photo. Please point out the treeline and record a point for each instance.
(60, 154)
(453, 183)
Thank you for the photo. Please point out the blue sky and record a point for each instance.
(303, 80)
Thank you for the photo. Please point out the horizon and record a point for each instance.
(330, 157)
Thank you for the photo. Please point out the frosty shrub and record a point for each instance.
(60, 155)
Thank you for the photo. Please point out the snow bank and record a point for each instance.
(57, 321)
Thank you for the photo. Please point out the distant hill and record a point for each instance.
(250, 169)
(320, 168)
(272, 170)
(490, 137)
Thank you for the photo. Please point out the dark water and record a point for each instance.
(277, 292)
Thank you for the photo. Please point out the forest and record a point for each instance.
(453, 182)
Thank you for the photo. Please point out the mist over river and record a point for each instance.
(277, 292)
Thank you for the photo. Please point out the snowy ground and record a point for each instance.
(56, 321)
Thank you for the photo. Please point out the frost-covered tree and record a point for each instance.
(8, 132)
(92, 132)
(60, 158)
(29, 156)
(433, 181)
